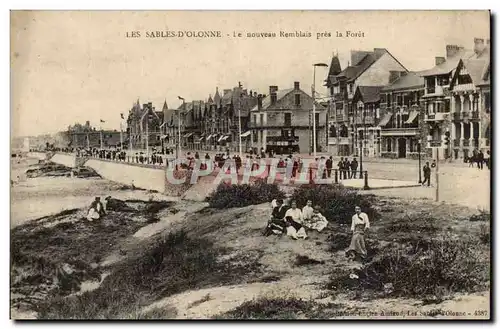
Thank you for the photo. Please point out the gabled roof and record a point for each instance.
(369, 94)
(266, 101)
(217, 96)
(449, 65)
(165, 106)
(409, 81)
(367, 59)
(476, 69)
(334, 66)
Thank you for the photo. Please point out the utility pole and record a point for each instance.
(313, 88)
(179, 126)
(437, 174)
(239, 118)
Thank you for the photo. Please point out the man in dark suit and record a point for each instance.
(427, 174)
(340, 165)
(347, 168)
(354, 168)
(329, 165)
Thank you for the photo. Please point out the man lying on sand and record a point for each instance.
(117, 205)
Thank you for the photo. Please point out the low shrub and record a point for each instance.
(302, 260)
(483, 216)
(269, 309)
(171, 265)
(230, 196)
(484, 234)
(418, 270)
(336, 202)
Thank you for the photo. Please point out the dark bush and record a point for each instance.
(301, 260)
(484, 234)
(269, 308)
(483, 216)
(230, 196)
(418, 270)
(337, 203)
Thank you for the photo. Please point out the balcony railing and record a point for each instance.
(366, 120)
(439, 116)
(456, 143)
(399, 132)
(475, 115)
(466, 142)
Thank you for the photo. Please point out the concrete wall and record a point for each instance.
(146, 178)
(38, 155)
(68, 160)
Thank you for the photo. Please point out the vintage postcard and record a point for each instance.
(250, 165)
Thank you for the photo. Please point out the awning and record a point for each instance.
(245, 134)
(226, 137)
(209, 136)
(164, 136)
(188, 135)
(413, 116)
(385, 120)
(202, 138)
(221, 138)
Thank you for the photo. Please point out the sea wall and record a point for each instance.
(69, 160)
(38, 155)
(140, 176)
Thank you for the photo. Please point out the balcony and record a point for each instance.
(437, 90)
(399, 132)
(475, 115)
(368, 120)
(439, 116)
(456, 143)
(341, 117)
(466, 142)
(339, 140)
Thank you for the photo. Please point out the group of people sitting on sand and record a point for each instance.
(98, 209)
(293, 221)
(287, 218)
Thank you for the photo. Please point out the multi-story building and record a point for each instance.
(365, 118)
(367, 69)
(144, 124)
(282, 122)
(85, 136)
(401, 124)
(457, 101)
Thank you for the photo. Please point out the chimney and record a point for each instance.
(273, 89)
(478, 45)
(272, 92)
(296, 85)
(452, 50)
(259, 102)
(226, 91)
(393, 76)
(440, 60)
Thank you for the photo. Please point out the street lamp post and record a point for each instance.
(239, 122)
(179, 127)
(419, 146)
(313, 87)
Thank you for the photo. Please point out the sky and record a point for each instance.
(74, 66)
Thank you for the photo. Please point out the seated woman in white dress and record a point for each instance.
(317, 221)
(96, 210)
(293, 218)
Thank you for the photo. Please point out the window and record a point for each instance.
(350, 109)
(317, 119)
(333, 131)
(288, 119)
(297, 99)
(286, 133)
(383, 98)
(350, 88)
(389, 99)
(255, 136)
(255, 119)
(262, 119)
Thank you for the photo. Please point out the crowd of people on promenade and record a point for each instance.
(480, 159)
(287, 219)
